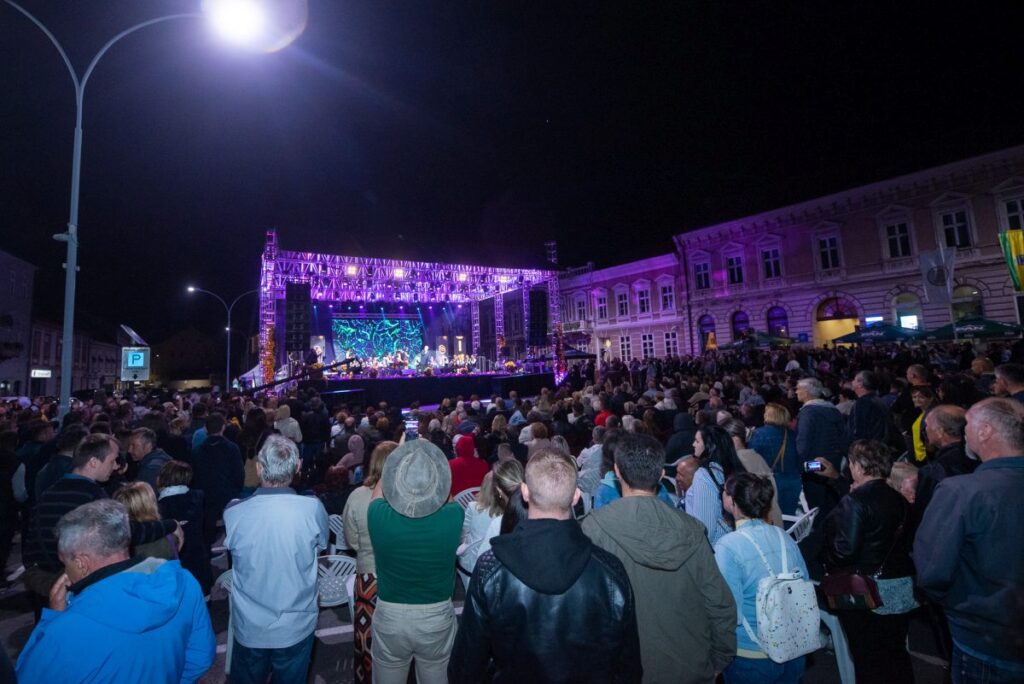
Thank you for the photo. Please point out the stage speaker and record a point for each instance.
(296, 317)
(538, 318)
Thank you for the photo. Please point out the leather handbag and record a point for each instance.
(850, 590)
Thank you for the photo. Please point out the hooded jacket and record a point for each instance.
(547, 606)
(145, 621)
(680, 444)
(684, 608)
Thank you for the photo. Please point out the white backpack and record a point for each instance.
(787, 610)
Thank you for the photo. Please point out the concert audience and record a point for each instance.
(633, 400)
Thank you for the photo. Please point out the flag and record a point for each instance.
(1013, 249)
(937, 273)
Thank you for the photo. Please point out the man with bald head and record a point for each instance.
(944, 426)
(968, 551)
(546, 604)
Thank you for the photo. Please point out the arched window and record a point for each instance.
(778, 322)
(906, 309)
(706, 329)
(967, 301)
(740, 322)
(835, 308)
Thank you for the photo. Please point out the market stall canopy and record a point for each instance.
(973, 327)
(878, 333)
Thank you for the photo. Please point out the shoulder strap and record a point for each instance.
(782, 450)
(750, 538)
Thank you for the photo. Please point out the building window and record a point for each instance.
(647, 345)
(668, 298)
(828, 252)
(836, 308)
(907, 310)
(956, 229)
(778, 322)
(671, 343)
(622, 304)
(772, 260)
(897, 237)
(740, 324)
(37, 346)
(1014, 213)
(967, 302)
(643, 299)
(706, 328)
(702, 276)
(625, 348)
(602, 307)
(734, 269)
(46, 349)
(581, 309)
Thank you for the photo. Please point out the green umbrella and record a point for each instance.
(878, 333)
(973, 327)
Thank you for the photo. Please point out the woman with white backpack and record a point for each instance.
(778, 612)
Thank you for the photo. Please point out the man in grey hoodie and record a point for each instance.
(684, 609)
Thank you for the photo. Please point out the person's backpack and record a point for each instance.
(787, 609)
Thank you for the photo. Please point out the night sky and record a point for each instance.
(469, 131)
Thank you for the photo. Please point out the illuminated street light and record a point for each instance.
(245, 18)
(227, 328)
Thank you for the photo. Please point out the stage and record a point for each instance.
(402, 391)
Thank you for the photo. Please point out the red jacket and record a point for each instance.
(467, 470)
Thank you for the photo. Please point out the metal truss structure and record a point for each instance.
(339, 278)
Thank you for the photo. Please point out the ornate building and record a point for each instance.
(815, 270)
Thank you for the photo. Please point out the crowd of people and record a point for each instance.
(623, 525)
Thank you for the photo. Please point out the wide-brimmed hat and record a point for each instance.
(417, 479)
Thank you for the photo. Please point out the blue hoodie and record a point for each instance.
(146, 623)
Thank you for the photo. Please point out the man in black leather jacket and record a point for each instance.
(545, 604)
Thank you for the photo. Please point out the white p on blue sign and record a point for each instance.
(134, 364)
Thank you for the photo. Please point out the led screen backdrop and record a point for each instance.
(368, 337)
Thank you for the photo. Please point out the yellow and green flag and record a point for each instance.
(1013, 249)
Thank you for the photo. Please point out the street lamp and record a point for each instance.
(227, 328)
(236, 20)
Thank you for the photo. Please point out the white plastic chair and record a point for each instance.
(801, 527)
(466, 497)
(801, 510)
(844, 661)
(224, 582)
(334, 572)
(337, 527)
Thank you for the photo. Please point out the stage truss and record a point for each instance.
(339, 278)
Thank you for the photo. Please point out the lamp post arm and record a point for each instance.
(244, 294)
(219, 298)
(103, 50)
(53, 39)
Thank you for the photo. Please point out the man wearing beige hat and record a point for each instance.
(415, 531)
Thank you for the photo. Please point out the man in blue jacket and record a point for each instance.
(968, 552)
(114, 618)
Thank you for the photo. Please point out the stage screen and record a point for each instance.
(376, 336)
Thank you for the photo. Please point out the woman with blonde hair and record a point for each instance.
(140, 500)
(483, 517)
(777, 445)
(357, 534)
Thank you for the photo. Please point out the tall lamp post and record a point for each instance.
(227, 329)
(247, 25)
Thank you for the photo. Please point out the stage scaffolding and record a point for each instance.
(338, 278)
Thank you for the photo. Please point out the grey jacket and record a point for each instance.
(684, 609)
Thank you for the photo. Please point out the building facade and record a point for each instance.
(16, 289)
(629, 311)
(95, 363)
(816, 270)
